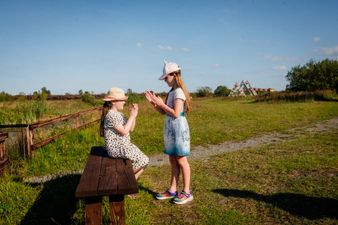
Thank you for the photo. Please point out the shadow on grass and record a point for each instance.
(152, 193)
(55, 204)
(297, 204)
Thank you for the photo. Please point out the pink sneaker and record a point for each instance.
(166, 195)
(183, 198)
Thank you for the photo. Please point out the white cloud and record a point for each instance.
(316, 39)
(280, 68)
(216, 65)
(329, 51)
(185, 49)
(165, 47)
(139, 44)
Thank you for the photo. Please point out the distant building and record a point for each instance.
(242, 89)
(245, 89)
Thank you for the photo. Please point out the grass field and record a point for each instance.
(291, 183)
(294, 182)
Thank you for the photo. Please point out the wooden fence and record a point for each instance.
(36, 135)
(3, 155)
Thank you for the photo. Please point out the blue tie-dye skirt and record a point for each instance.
(176, 136)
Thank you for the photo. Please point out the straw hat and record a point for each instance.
(115, 94)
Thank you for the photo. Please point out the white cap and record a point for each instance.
(168, 68)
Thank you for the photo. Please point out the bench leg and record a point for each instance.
(93, 210)
(116, 210)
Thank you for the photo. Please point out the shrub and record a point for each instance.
(222, 91)
(325, 95)
(204, 92)
(5, 96)
(88, 98)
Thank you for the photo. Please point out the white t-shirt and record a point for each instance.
(174, 94)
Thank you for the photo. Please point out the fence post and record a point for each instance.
(3, 154)
(29, 142)
(76, 121)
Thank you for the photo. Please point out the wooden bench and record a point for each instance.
(104, 176)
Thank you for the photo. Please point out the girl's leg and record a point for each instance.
(185, 167)
(138, 158)
(175, 173)
(138, 173)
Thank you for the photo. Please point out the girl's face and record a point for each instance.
(170, 80)
(119, 104)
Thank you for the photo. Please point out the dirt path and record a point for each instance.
(201, 152)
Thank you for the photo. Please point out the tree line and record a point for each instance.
(313, 76)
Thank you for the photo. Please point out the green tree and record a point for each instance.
(45, 91)
(204, 92)
(314, 76)
(222, 91)
(4, 96)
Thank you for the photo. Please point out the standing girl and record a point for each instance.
(176, 131)
(116, 130)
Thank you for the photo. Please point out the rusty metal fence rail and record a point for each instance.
(23, 139)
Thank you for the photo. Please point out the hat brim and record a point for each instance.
(163, 77)
(166, 74)
(109, 99)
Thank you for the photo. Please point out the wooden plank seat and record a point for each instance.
(105, 176)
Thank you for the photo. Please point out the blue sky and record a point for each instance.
(68, 45)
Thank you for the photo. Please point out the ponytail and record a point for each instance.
(106, 107)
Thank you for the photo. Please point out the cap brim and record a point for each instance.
(163, 76)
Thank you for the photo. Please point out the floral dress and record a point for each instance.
(119, 146)
(176, 130)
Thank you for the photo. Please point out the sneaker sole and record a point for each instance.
(185, 201)
(164, 198)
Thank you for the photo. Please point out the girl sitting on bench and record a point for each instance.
(116, 128)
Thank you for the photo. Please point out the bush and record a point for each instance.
(4, 96)
(326, 95)
(134, 98)
(88, 98)
(222, 91)
(204, 92)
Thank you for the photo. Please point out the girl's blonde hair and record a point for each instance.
(179, 81)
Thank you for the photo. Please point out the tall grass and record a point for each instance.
(30, 111)
(325, 95)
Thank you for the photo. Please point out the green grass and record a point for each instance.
(213, 121)
(253, 186)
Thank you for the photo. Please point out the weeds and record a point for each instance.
(326, 95)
